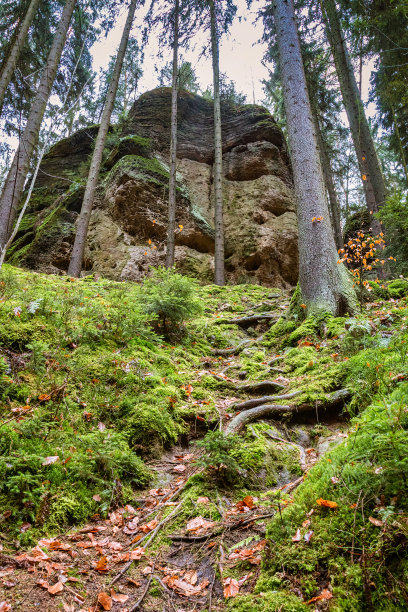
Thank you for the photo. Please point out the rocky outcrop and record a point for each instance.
(128, 225)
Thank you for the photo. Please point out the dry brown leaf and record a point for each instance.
(119, 597)
(102, 565)
(56, 588)
(179, 469)
(50, 460)
(24, 527)
(4, 606)
(115, 546)
(137, 553)
(297, 537)
(231, 588)
(375, 521)
(105, 600)
(199, 523)
(149, 526)
(191, 577)
(203, 500)
(325, 594)
(326, 503)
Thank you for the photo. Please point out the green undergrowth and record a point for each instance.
(88, 379)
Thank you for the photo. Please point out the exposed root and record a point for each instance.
(259, 387)
(265, 399)
(233, 350)
(238, 422)
(247, 321)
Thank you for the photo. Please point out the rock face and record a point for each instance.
(128, 225)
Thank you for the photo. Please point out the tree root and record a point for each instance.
(233, 350)
(241, 419)
(263, 385)
(247, 321)
(214, 534)
(258, 401)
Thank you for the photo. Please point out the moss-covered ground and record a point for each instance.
(99, 406)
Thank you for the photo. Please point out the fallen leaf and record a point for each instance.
(191, 577)
(149, 526)
(203, 500)
(24, 527)
(231, 588)
(101, 565)
(50, 460)
(96, 498)
(56, 588)
(105, 600)
(375, 521)
(325, 594)
(308, 536)
(119, 597)
(115, 546)
(326, 503)
(4, 606)
(297, 537)
(179, 468)
(137, 553)
(199, 523)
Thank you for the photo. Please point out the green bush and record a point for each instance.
(217, 458)
(394, 215)
(170, 298)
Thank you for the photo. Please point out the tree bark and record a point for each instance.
(370, 169)
(11, 60)
(325, 285)
(77, 256)
(218, 218)
(173, 146)
(14, 184)
(334, 204)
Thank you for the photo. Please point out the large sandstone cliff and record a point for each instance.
(128, 224)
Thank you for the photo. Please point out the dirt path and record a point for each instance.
(171, 549)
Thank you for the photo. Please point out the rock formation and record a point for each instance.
(128, 224)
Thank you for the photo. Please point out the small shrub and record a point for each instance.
(218, 459)
(170, 298)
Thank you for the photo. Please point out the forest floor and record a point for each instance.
(311, 509)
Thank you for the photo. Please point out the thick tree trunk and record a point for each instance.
(173, 146)
(12, 58)
(370, 169)
(219, 224)
(334, 204)
(14, 185)
(325, 285)
(77, 256)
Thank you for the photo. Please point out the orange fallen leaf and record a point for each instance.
(325, 594)
(231, 588)
(102, 565)
(375, 521)
(149, 526)
(199, 523)
(326, 503)
(56, 588)
(4, 606)
(105, 600)
(119, 597)
(203, 500)
(179, 468)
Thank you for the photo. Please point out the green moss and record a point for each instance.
(268, 601)
(397, 288)
(140, 168)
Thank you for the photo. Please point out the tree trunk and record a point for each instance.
(325, 285)
(219, 224)
(334, 204)
(11, 60)
(77, 256)
(14, 184)
(173, 146)
(370, 169)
